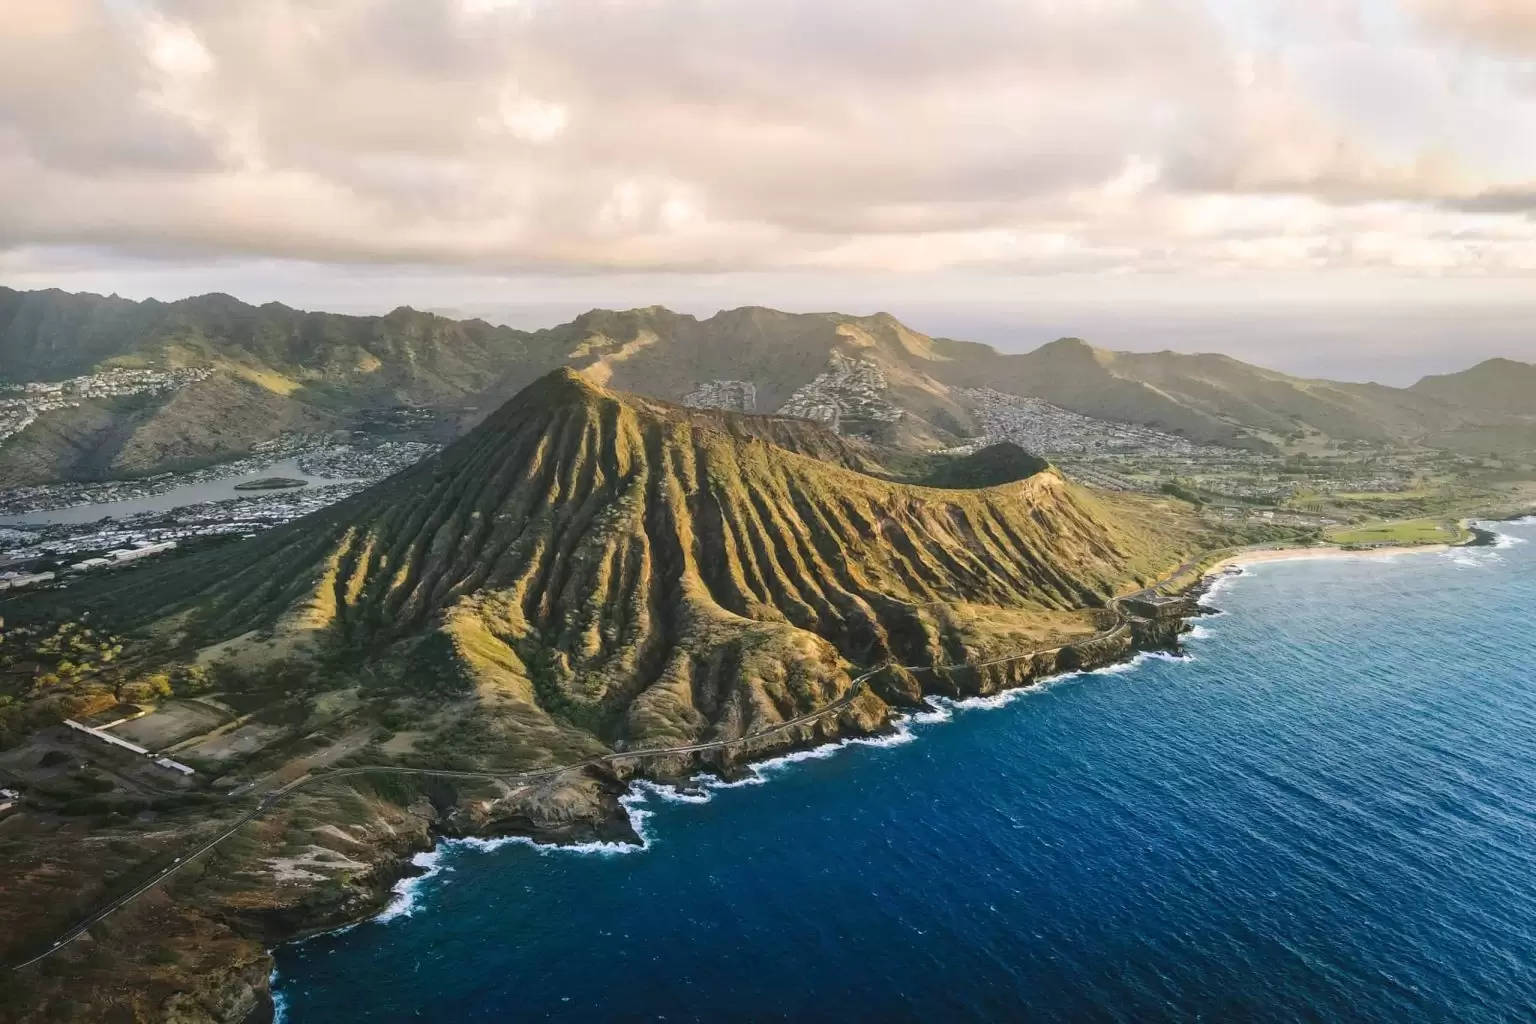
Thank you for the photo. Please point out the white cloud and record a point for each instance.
(1034, 135)
(176, 51)
(529, 118)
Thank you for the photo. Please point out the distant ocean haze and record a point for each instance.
(1385, 342)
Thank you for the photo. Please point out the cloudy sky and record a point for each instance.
(1327, 185)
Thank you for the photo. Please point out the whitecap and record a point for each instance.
(939, 711)
(757, 773)
(671, 794)
(632, 801)
(600, 847)
(1219, 582)
(899, 734)
(407, 890)
(1160, 656)
(703, 786)
(279, 1000)
(714, 782)
(1120, 668)
(992, 701)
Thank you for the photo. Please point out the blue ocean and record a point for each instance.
(1326, 811)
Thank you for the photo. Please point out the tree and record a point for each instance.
(190, 679)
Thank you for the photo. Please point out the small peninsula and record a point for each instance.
(271, 483)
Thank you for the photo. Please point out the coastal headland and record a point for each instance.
(678, 767)
(588, 591)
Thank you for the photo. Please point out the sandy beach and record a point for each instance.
(1292, 554)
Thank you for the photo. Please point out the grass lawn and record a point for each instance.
(1405, 531)
(1419, 492)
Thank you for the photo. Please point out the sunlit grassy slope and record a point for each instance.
(1408, 531)
(593, 561)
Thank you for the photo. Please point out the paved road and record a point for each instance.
(516, 778)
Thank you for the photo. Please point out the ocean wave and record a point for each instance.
(633, 801)
(1484, 556)
(702, 787)
(1199, 632)
(989, 702)
(1481, 557)
(1218, 584)
(940, 710)
(407, 890)
(759, 772)
(279, 1000)
(672, 794)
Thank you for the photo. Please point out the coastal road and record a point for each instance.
(518, 778)
(271, 798)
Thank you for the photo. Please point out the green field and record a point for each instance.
(1421, 492)
(1406, 531)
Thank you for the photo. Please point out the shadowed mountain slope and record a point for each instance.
(212, 420)
(1503, 384)
(276, 369)
(403, 356)
(1211, 398)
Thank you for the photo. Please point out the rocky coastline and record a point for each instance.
(591, 810)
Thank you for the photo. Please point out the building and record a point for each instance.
(1154, 606)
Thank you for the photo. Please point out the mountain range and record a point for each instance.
(276, 369)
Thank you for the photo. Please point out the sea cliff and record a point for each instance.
(589, 807)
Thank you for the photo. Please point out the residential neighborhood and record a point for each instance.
(22, 404)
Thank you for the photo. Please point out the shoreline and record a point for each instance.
(616, 824)
(628, 815)
(622, 831)
(1297, 554)
(1257, 611)
(1480, 537)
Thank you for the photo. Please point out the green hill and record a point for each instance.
(586, 572)
(404, 356)
(599, 567)
(1211, 398)
(1498, 384)
(215, 419)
